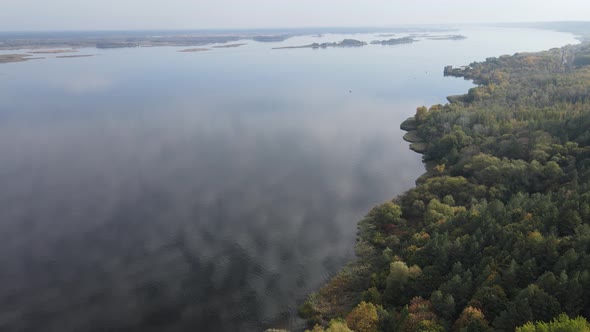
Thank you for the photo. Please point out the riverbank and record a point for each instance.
(417, 144)
(449, 247)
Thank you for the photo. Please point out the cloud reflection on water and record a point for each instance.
(209, 192)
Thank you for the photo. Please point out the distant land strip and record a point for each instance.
(38, 44)
(74, 56)
(229, 45)
(7, 58)
(193, 50)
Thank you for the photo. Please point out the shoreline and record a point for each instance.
(473, 147)
(417, 144)
(14, 58)
(53, 45)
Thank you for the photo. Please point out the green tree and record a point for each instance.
(560, 324)
(421, 114)
(337, 325)
(396, 280)
(443, 304)
(491, 300)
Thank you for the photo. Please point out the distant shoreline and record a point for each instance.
(121, 41)
(182, 38)
(12, 58)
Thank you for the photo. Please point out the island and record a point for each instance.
(344, 43)
(394, 41)
(446, 37)
(74, 56)
(42, 51)
(229, 45)
(496, 234)
(7, 58)
(193, 50)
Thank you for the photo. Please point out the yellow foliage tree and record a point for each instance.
(336, 325)
(471, 319)
(363, 318)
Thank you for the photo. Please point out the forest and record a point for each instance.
(496, 235)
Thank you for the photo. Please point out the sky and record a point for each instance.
(20, 15)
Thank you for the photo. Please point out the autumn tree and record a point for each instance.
(471, 320)
(363, 318)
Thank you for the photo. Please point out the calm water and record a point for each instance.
(149, 190)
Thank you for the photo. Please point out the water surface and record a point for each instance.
(148, 190)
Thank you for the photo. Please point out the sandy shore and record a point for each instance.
(7, 58)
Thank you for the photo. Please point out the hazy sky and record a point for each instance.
(194, 14)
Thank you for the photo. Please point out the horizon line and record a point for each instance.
(292, 27)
